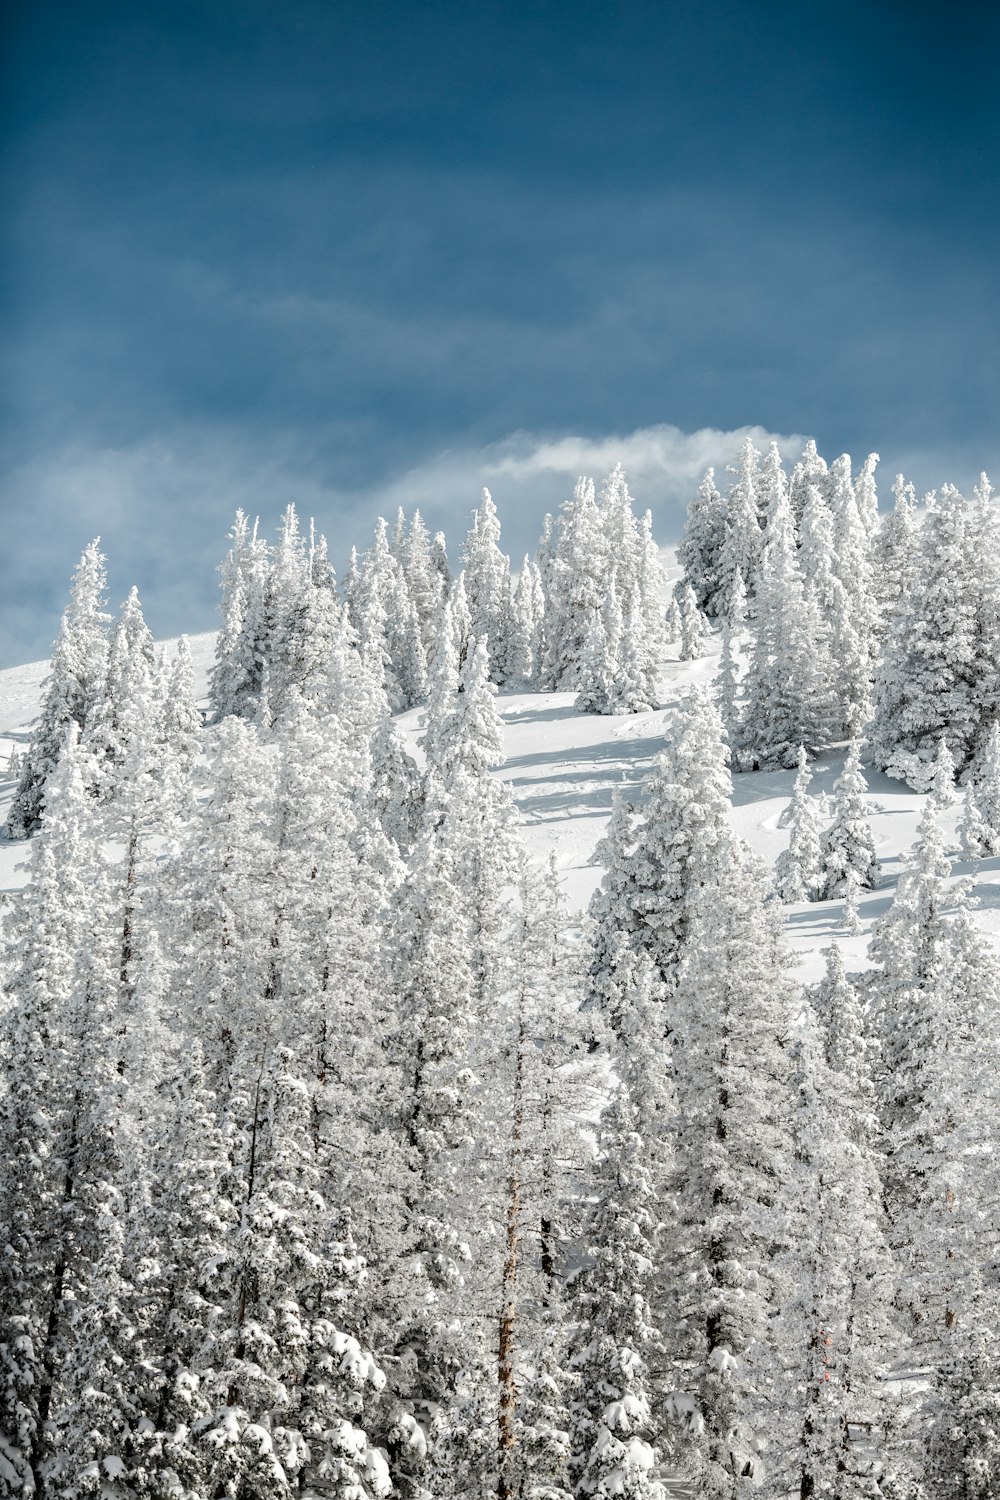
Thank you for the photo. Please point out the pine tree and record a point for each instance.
(936, 675)
(575, 581)
(598, 664)
(71, 690)
(799, 870)
(892, 550)
(728, 687)
(742, 542)
(838, 1322)
(787, 694)
(694, 627)
(611, 1415)
(487, 587)
(980, 826)
(701, 544)
(848, 844)
(732, 1007)
(634, 685)
(811, 470)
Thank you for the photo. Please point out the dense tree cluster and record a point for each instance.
(337, 1162)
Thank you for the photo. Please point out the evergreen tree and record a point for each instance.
(72, 688)
(732, 1008)
(742, 542)
(848, 844)
(980, 826)
(575, 582)
(701, 544)
(694, 627)
(936, 675)
(799, 870)
(611, 1415)
(787, 692)
(487, 587)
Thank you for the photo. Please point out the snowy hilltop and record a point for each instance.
(524, 1035)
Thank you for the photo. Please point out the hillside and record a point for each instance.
(563, 765)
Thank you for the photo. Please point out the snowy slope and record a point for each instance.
(563, 767)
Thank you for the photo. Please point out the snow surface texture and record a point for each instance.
(563, 766)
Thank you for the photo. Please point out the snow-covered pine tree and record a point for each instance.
(701, 544)
(963, 1457)
(799, 870)
(598, 663)
(614, 1334)
(937, 675)
(856, 616)
(742, 540)
(71, 689)
(848, 843)
(732, 1007)
(424, 581)
(811, 469)
(787, 693)
(634, 686)
(575, 581)
(487, 587)
(241, 648)
(523, 628)
(125, 720)
(837, 1325)
(655, 862)
(892, 550)
(979, 829)
(727, 685)
(866, 494)
(772, 487)
(694, 627)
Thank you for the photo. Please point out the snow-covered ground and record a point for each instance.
(563, 767)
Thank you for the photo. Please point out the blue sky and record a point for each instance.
(352, 254)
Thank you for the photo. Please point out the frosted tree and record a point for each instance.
(487, 587)
(963, 1456)
(742, 542)
(866, 494)
(611, 1418)
(76, 675)
(598, 664)
(634, 685)
(838, 1320)
(548, 1081)
(727, 685)
(575, 582)
(799, 870)
(856, 616)
(787, 695)
(694, 627)
(811, 470)
(772, 486)
(936, 674)
(848, 843)
(525, 627)
(942, 788)
(375, 607)
(701, 544)
(654, 863)
(731, 1009)
(424, 581)
(242, 644)
(979, 829)
(124, 722)
(936, 985)
(893, 548)
(651, 584)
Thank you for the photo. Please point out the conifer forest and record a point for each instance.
(474, 1032)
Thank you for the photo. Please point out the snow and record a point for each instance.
(563, 766)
